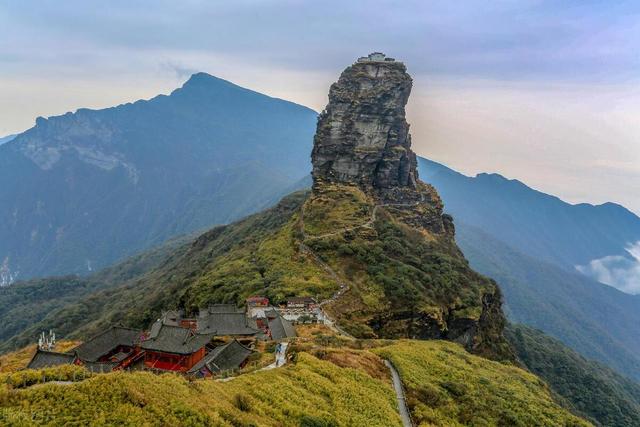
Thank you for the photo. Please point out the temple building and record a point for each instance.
(174, 348)
(225, 320)
(46, 359)
(117, 346)
(225, 358)
(181, 344)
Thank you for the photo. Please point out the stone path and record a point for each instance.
(402, 404)
(343, 286)
(281, 357)
(281, 360)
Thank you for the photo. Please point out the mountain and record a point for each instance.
(85, 189)
(592, 318)
(6, 139)
(370, 241)
(532, 222)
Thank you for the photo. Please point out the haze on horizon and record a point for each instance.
(543, 92)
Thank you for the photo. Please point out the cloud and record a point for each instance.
(179, 70)
(525, 39)
(620, 272)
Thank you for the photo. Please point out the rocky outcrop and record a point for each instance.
(363, 140)
(362, 136)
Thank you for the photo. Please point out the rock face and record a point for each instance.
(362, 136)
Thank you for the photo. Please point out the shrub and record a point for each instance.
(242, 402)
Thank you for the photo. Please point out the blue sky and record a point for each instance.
(544, 91)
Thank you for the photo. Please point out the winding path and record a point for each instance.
(343, 286)
(405, 415)
(402, 404)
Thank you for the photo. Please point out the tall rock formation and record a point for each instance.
(363, 162)
(362, 136)
(363, 139)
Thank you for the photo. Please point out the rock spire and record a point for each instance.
(362, 136)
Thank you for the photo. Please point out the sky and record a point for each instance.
(547, 92)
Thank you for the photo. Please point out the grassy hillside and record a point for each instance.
(311, 393)
(588, 387)
(330, 383)
(406, 280)
(447, 386)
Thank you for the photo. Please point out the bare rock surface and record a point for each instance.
(363, 136)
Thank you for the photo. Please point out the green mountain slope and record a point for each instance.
(32, 304)
(139, 298)
(448, 387)
(591, 318)
(402, 283)
(588, 387)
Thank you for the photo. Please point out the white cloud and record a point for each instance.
(618, 271)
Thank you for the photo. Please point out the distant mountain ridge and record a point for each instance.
(532, 222)
(85, 189)
(6, 139)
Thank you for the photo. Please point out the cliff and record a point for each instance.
(362, 136)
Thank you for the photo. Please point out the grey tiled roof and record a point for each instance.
(45, 359)
(102, 344)
(281, 328)
(224, 358)
(225, 324)
(177, 340)
(222, 308)
(171, 317)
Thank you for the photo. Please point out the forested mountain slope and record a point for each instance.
(593, 319)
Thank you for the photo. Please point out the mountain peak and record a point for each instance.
(202, 77)
(204, 81)
(362, 136)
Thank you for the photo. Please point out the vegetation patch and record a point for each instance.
(588, 388)
(446, 386)
(335, 207)
(311, 392)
